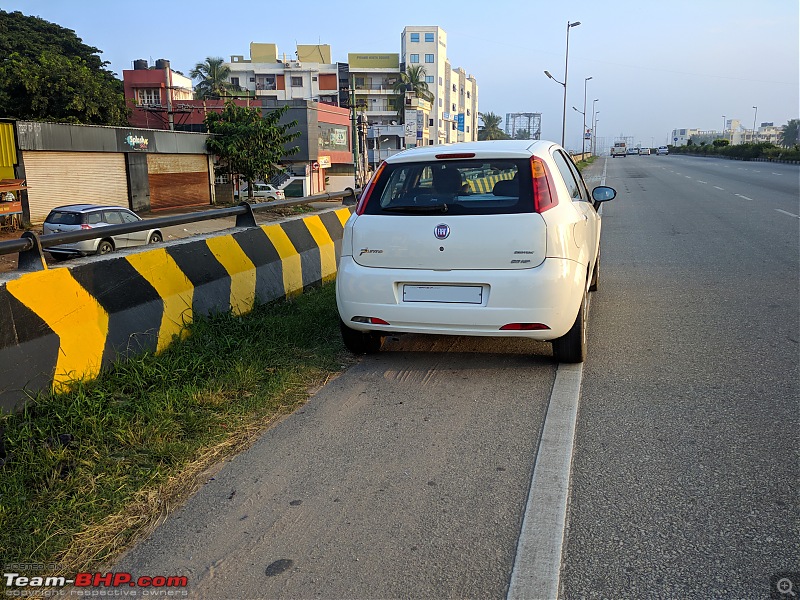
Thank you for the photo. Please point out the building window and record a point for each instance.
(297, 82)
(440, 103)
(430, 122)
(440, 82)
(429, 58)
(430, 142)
(429, 37)
(467, 128)
(429, 79)
(235, 81)
(265, 82)
(415, 37)
(467, 112)
(467, 94)
(440, 123)
(454, 126)
(454, 87)
(415, 58)
(148, 96)
(454, 107)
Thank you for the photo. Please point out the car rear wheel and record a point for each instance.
(360, 342)
(104, 247)
(155, 238)
(571, 347)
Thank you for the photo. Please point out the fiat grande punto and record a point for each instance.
(493, 238)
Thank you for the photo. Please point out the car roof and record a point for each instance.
(483, 149)
(86, 207)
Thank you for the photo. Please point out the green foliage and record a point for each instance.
(522, 134)
(82, 461)
(412, 80)
(720, 143)
(213, 78)
(47, 73)
(761, 150)
(790, 136)
(249, 144)
(490, 130)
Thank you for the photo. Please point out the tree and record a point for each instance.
(248, 144)
(213, 75)
(790, 136)
(720, 143)
(490, 130)
(412, 80)
(522, 134)
(47, 73)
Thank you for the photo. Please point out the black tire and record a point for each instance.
(571, 347)
(360, 342)
(105, 246)
(155, 238)
(595, 275)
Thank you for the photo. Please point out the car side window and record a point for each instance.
(129, 218)
(585, 195)
(113, 217)
(94, 218)
(569, 178)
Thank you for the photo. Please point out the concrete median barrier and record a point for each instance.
(68, 323)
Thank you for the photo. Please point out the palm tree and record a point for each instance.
(412, 80)
(490, 130)
(213, 75)
(790, 136)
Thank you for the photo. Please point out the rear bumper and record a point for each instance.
(549, 294)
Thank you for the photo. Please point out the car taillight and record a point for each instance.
(85, 226)
(362, 204)
(524, 327)
(369, 320)
(542, 198)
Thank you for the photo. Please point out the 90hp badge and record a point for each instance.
(441, 231)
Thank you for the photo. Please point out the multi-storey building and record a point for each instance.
(454, 112)
(155, 95)
(309, 75)
(734, 132)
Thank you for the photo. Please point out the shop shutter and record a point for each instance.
(178, 180)
(59, 178)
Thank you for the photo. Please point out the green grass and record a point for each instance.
(136, 441)
(582, 164)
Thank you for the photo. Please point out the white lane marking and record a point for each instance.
(537, 564)
(719, 188)
(698, 181)
(777, 173)
(788, 213)
(687, 177)
(744, 197)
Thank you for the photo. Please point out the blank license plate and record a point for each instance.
(459, 294)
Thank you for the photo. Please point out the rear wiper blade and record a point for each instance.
(411, 208)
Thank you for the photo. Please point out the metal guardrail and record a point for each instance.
(31, 245)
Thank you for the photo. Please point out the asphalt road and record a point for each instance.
(408, 475)
(686, 466)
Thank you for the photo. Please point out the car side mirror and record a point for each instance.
(603, 193)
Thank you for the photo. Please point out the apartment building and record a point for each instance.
(454, 112)
(309, 74)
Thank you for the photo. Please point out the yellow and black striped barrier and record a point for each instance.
(65, 324)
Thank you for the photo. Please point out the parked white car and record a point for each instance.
(262, 191)
(662, 150)
(494, 238)
(75, 217)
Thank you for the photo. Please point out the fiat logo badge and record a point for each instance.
(441, 231)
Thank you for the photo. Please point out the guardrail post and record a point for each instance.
(349, 199)
(247, 219)
(33, 258)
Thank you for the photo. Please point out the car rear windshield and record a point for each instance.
(455, 187)
(64, 218)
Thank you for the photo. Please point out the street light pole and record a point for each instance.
(583, 132)
(723, 125)
(591, 140)
(594, 132)
(754, 124)
(564, 85)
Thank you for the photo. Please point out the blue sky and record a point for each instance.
(655, 65)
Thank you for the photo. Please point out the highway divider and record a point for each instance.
(68, 323)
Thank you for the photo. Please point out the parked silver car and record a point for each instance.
(261, 191)
(75, 217)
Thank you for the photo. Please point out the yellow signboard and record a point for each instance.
(373, 61)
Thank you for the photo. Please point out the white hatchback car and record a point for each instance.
(494, 238)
